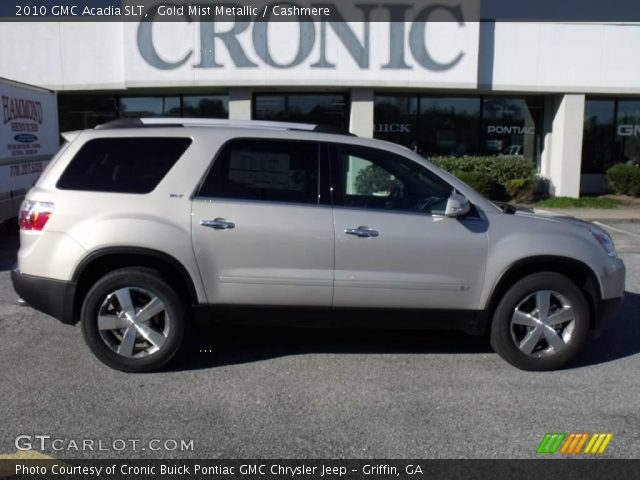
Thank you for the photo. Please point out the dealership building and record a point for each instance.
(564, 94)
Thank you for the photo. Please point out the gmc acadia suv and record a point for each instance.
(141, 226)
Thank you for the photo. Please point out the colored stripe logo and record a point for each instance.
(573, 443)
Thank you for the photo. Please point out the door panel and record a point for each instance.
(276, 254)
(394, 246)
(416, 261)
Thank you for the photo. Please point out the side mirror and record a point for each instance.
(457, 205)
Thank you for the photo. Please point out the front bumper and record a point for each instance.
(53, 297)
(613, 287)
(612, 278)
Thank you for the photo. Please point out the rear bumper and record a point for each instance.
(605, 310)
(53, 297)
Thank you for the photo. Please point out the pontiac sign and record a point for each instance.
(422, 44)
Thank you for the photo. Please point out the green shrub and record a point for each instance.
(624, 179)
(483, 184)
(522, 190)
(502, 169)
(372, 179)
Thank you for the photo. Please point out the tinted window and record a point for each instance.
(628, 131)
(124, 165)
(150, 106)
(376, 179)
(210, 106)
(321, 108)
(449, 125)
(464, 125)
(511, 126)
(270, 170)
(396, 119)
(78, 112)
(598, 148)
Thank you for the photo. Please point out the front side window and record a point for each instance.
(265, 170)
(122, 165)
(367, 178)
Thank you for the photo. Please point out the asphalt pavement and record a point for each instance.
(281, 393)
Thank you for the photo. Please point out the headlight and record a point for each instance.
(605, 242)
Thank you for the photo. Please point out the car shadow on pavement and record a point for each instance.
(620, 338)
(238, 345)
(9, 243)
(214, 347)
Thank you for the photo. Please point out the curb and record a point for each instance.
(595, 215)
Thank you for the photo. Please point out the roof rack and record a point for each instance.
(133, 122)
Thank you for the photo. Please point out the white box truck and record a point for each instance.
(29, 137)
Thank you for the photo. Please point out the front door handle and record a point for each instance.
(218, 224)
(362, 232)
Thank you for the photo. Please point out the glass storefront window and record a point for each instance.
(322, 108)
(458, 126)
(449, 126)
(628, 131)
(150, 106)
(395, 119)
(270, 107)
(209, 106)
(78, 112)
(611, 134)
(511, 126)
(598, 148)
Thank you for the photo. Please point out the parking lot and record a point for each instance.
(317, 394)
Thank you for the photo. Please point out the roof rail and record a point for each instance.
(223, 122)
(133, 122)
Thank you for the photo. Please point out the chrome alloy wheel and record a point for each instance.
(133, 322)
(543, 324)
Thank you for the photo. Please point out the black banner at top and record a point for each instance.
(319, 10)
(240, 10)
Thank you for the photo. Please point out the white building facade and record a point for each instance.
(565, 95)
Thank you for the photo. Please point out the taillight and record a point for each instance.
(35, 215)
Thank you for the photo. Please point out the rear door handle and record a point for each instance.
(218, 224)
(362, 232)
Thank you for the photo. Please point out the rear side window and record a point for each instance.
(122, 165)
(268, 170)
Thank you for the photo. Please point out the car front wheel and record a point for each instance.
(132, 320)
(541, 322)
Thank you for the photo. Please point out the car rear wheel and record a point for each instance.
(132, 320)
(541, 323)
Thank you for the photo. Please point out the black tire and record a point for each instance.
(142, 284)
(506, 337)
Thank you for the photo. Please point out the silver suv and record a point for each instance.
(140, 227)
